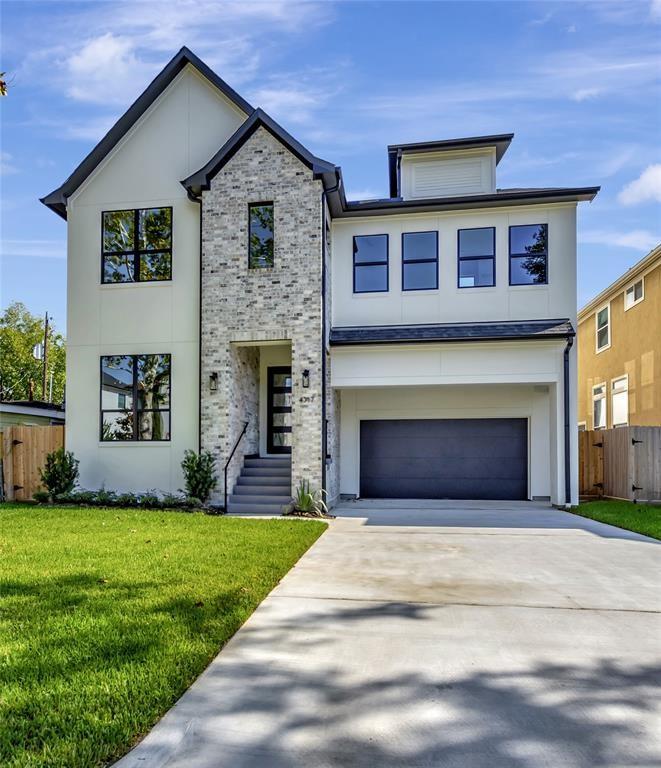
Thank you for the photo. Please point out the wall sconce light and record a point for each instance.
(213, 382)
(305, 379)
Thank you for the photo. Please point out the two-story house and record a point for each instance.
(223, 294)
(619, 350)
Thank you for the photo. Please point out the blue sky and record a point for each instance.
(577, 82)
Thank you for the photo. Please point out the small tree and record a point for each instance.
(199, 475)
(60, 472)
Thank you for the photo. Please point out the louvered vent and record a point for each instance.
(445, 177)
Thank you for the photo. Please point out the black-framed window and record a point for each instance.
(260, 235)
(370, 263)
(136, 245)
(477, 257)
(419, 261)
(529, 254)
(135, 397)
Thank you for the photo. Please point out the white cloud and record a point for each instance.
(655, 10)
(583, 94)
(90, 130)
(646, 187)
(541, 21)
(291, 103)
(365, 194)
(104, 71)
(46, 249)
(638, 239)
(6, 165)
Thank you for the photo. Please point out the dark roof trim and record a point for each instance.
(200, 180)
(526, 330)
(493, 199)
(500, 141)
(57, 199)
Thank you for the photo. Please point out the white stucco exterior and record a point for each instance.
(179, 133)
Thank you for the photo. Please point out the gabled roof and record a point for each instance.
(500, 141)
(57, 199)
(201, 179)
(518, 330)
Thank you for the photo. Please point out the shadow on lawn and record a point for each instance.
(257, 709)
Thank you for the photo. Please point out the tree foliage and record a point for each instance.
(19, 332)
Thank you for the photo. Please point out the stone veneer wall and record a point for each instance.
(242, 304)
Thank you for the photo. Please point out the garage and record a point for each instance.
(444, 458)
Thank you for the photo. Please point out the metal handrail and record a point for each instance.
(227, 463)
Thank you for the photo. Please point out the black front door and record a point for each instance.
(278, 439)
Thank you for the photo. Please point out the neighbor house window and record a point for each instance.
(477, 257)
(599, 407)
(135, 397)
(370, 263)
(528, 254)
(620, 401)
(260, 236)
(419, 261)
(603, 321)
(634, 294)
(137, 245)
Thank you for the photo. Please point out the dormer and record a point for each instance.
(452, 167)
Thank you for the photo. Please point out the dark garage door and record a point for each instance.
(444, 459)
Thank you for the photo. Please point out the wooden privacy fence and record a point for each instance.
(24, 451)
(623, 463)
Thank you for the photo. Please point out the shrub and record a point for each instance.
(199, 475)
(127, 500)
(60, 472)
(173, 500)
(43, 497)
(105, 498)
(307, 502)
(149, 500)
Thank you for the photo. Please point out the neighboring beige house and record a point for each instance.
(619, 351)
(223, 293)
(32, 413)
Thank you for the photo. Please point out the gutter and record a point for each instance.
(568, 346)
(193, 198)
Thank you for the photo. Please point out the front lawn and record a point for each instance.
(108, 615)
(641, 518)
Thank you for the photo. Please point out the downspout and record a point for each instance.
(324, 429)
(568, 347)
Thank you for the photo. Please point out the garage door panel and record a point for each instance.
(444, 458)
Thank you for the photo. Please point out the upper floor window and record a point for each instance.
(419, 261)
(634, 294)
(477, 257)
(135, 397)
(620, 401)
(603, 328)
(599, 407)
(370, 263)
(137, 245)
(260, 235)
(528, 254)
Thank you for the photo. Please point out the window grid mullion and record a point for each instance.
(135, 396)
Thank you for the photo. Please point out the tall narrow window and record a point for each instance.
(603, 328)
(370, 263)
(137, 245)
(419, 261)
(634, 294)
(620, 401)
(260, 236)
(477, 257)
(528, 254)
(135, 397)
(599, 407)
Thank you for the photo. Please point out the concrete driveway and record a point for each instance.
(438, 634)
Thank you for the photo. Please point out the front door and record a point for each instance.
(278, 439)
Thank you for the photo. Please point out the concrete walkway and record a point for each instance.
(438, 634)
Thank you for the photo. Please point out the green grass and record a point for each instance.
(108, 615)
(641, 518)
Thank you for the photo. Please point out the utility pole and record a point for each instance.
(45, 361)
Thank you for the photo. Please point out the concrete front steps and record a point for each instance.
(263, 487)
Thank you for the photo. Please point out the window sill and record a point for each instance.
(603, 349)
(480, 288)
(135, 443)
(530, 286)
(133, 286)
(371, 294)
